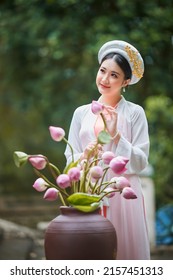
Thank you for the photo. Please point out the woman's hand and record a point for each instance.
(110, 117)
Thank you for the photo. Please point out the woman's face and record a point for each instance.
(110, 78)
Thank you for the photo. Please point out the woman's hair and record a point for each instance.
(122, 63)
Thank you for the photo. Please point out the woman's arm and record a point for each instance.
(137, 151)
(73, 137)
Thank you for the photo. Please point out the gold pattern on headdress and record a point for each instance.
(137, 63)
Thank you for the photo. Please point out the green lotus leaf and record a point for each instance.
(83, 199)
(87, 208)
(104, 137)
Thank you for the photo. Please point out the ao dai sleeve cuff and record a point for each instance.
(137, 155)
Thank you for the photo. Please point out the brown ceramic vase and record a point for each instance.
(75, 235)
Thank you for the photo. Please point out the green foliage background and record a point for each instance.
(48, 64)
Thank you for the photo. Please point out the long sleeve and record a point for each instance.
(134, 144)
(74, 135)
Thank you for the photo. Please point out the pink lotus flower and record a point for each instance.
(57, 133)
(39, 161)
(118, 164)
(51, 194)
(40, 185)
(120, 182)
(128, 193)
(110, 192)
(63, 181)
(107, 157)
(74, 174)
(96, 172)
(96, 107)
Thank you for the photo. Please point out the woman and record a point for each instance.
(120, 65)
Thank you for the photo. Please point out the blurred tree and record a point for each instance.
(159, 111)
(48, 63)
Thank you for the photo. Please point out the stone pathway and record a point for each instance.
(20, 243)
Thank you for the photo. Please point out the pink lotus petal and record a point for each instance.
(113, 182)
(96, 172)
(38, 161)
(118, 164)
(63, 181)
(57, 133)
(128, 193)
(40, 185)
(96, 107)
(110, 192)
(107, 157)
(74, 174)
(51, 194)
(120, 182)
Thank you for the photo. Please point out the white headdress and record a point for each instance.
(129, 52)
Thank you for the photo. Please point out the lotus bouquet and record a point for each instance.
(82, 184)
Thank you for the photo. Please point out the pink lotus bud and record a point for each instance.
(107, 157)
(39, 161)
(63, 181)
(40, 185)
(57, 133)
(118, 164)
(110, 192)
(120, 182)
(128, 193)
(96, 107)
(74, 174)
(113, 183)
(51, 194)
(96, 172)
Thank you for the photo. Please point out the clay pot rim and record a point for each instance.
(72, 210)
